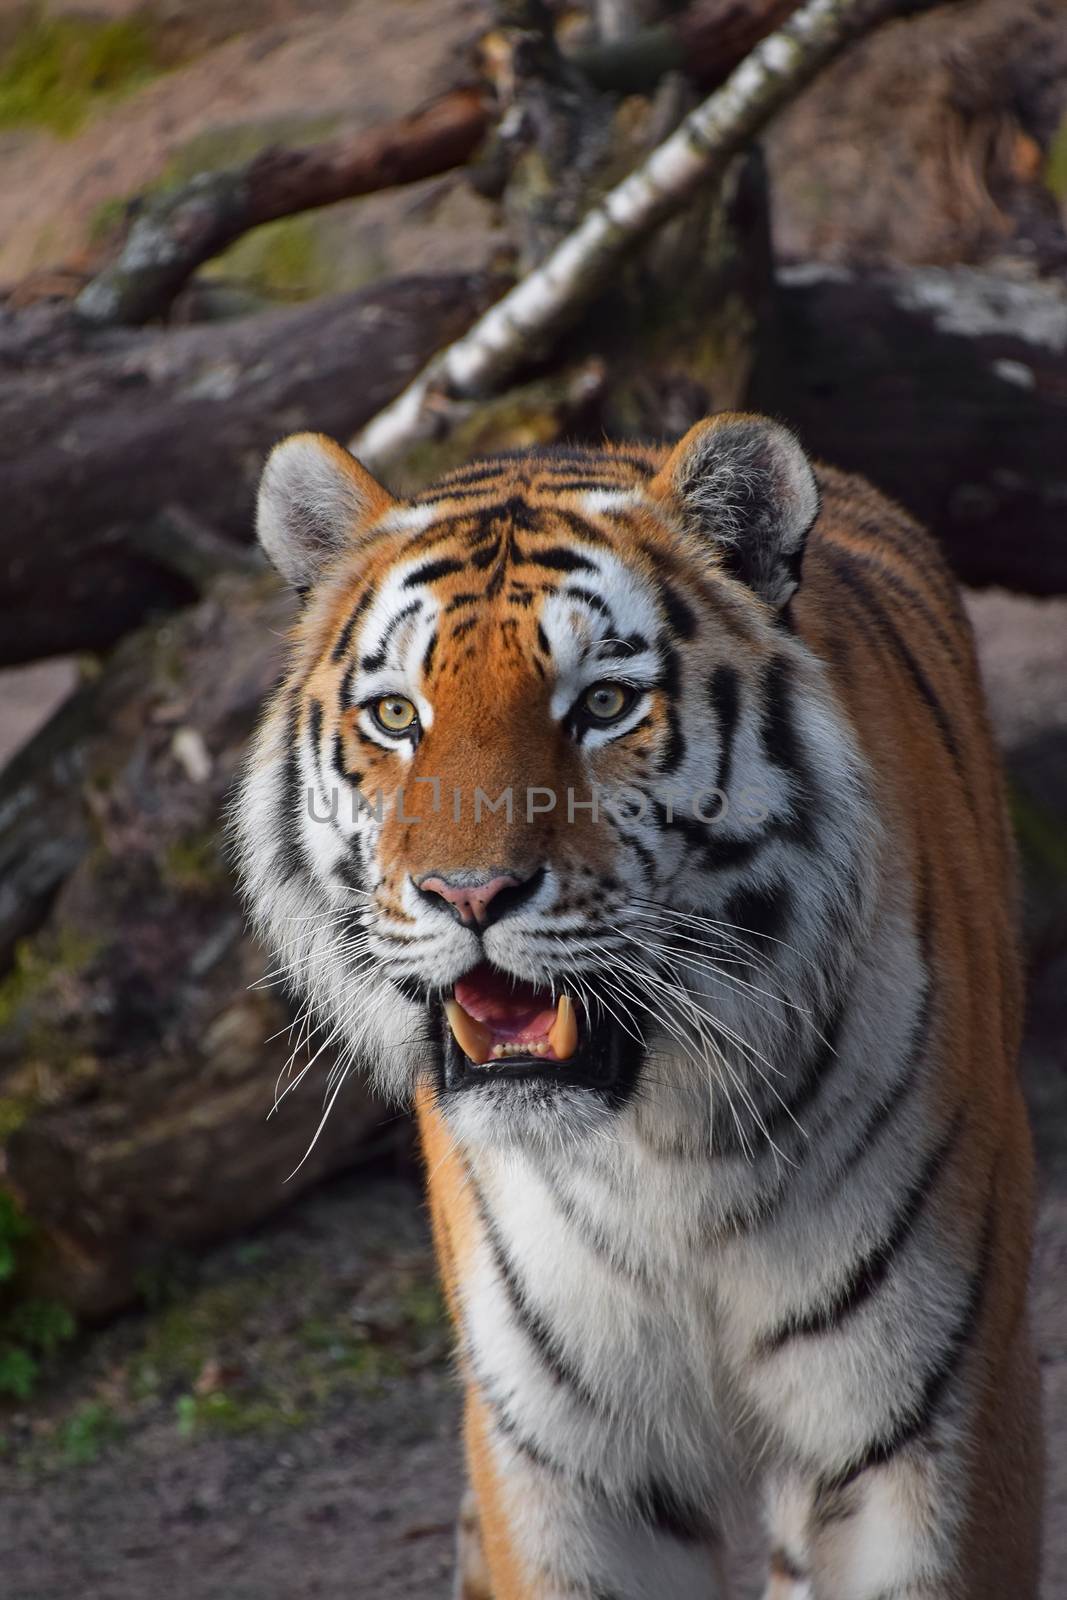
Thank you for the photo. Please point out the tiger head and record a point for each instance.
(553, 809)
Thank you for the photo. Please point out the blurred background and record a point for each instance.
(220, 1376)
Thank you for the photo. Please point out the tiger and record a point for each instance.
(632, 811)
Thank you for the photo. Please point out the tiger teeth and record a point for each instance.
(472, 1036)
(563, 1034)
(476, 1040)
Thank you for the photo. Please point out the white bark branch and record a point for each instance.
(526, 322)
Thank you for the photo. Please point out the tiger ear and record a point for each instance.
(313, 499)
(744, 484)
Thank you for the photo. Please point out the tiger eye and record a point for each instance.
(607, 701)
(395, 713)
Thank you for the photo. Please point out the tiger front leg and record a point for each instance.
(531, 1532)
(472, 1572)
(953, 1515)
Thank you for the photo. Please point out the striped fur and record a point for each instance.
(788, 1258)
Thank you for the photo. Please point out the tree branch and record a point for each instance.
(179, 231)
(525, 324)
(706, 42)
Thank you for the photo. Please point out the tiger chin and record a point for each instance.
(634, 813)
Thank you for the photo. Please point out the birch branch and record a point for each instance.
(526, 323)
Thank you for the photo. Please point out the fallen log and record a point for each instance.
(176, 232)
(705, 42)
(947, 387)
(96, 436)
(140, 1048)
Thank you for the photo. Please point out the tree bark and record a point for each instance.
(947, 387)
(706, 42)
(138, 1056)
(526, 324)
(98, 436)
(178, 231)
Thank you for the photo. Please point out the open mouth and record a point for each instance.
(503, 1028)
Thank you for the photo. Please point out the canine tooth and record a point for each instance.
(473, 1037)
(563, 1034)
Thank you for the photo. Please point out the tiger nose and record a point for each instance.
(476, 901)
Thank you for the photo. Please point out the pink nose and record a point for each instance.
(470, 901)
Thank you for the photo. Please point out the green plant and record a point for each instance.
(18, 1372)
(30, 1329)
(84, 1435)
(224, 1413)
(1056, 162)
(14, 1230)
(57, 67)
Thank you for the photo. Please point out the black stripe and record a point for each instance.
(887, 1108)
(724, 692)
(412, 609)
(889, 634)
(673, 753)
(777, 732)
(577, 591)
(821, 1063)
(632, 644)
(760, 912)
(458, 601)
(507, 1426)
(679, 612)
(641, 851)
(586, 485)
(713, 854)
(315, 728)
(870, 1272)
(592, 1235)
(428, 654)
(530, 1321)
(661, 1508)
(289, 858)
(910, 595)
(485, 558)
(349, 870)
(582, 529)
(337, 755)
(920, 1415)
(557, 558)
(344, 638)
(918, 1045)
(919, 552)
(782, 748)
(430, 571)
(473, 472)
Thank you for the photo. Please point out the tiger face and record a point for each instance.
(549, 780)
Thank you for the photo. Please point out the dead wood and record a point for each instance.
(140, 1047)
(99, 435)
(178, 231)
(947, 387)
